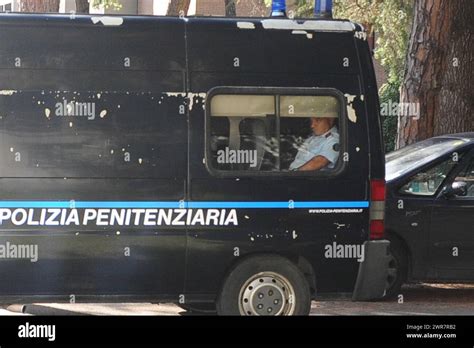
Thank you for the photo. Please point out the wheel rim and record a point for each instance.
(267, 293)
(392, 271)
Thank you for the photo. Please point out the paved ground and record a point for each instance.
(422, 299)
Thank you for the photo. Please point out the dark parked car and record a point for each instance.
(430, 211)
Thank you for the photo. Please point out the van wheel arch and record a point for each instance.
(308, 271)
(300, 263)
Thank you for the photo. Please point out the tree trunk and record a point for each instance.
(176, 7)
(82, 6)
(230, 8)
(39, 6)
(439, 73)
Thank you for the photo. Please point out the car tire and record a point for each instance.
(265, 285)
(398, 269)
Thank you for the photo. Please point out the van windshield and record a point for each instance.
(416, 155)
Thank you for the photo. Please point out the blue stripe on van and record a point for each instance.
(177, 205)
(276, 205)
(84, 204)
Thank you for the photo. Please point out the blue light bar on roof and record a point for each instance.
(323, 9)
(279, 8)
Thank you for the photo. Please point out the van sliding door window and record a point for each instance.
(273, 133)
(244, 133)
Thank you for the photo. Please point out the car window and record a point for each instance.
(427, 182)
(402, 161)
(467, 176)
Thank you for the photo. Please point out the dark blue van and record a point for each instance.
(232, 163)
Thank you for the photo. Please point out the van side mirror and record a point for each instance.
(458, 188)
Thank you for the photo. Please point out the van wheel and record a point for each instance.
(265, 285)
(397, 269)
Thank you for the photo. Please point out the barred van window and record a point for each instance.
(243, 132)
(273, 133)
(300, 141)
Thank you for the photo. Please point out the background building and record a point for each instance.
(9, 6)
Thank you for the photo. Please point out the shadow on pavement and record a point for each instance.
(451, 293)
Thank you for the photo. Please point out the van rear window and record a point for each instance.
(260, 133)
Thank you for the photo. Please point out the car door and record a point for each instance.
(452, 226)
(410, 214)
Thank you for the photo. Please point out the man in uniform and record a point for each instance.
(321, 150)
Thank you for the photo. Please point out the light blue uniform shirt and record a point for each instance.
(326, 145)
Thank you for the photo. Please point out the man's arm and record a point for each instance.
(316, 163)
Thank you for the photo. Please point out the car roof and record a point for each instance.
(405, 163)
(465, 136)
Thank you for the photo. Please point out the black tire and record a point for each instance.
(271, 274)
(398, 269)
(199, 308)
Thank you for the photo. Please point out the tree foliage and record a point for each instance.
(107, 4)
(391, 22)
(390, 92)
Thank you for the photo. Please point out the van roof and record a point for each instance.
(270, 23)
